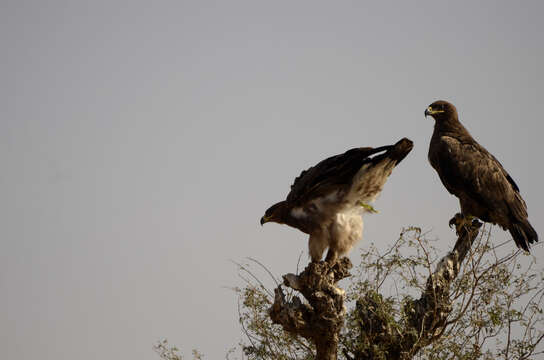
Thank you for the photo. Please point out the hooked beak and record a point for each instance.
(430, 111)
(264, 220)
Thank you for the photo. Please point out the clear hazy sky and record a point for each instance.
(141, 141)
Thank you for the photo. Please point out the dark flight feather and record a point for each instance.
(330, 173)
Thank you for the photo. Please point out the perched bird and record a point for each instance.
(327, 201)
(485, 190)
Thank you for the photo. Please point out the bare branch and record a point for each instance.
(321, 319)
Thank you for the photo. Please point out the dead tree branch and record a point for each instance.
(321, 318)
(428, 315)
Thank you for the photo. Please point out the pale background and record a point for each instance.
(141, 141)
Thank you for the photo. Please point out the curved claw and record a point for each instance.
(458, 220)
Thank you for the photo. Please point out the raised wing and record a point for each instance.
(330, 173)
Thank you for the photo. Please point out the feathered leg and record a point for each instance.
(317, 245)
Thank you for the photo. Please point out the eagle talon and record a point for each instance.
(458, 220)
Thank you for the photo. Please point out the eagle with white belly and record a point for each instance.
(327, 201)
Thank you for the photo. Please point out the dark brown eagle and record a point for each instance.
(327, 201)
(485, 190)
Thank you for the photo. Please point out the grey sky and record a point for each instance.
(142, 141)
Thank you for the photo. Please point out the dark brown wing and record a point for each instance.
(330, 173)
(466, 168)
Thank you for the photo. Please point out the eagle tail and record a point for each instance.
(401, 149)
(523, 234)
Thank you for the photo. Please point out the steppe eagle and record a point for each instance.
(327, 201)
(468, 171)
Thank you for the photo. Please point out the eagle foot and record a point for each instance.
(460, 221)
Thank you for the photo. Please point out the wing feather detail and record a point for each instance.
(329, 175)
(467, 167)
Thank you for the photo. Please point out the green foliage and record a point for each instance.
(264, 339)
(170, 352)
(495, 306)
(166, 351)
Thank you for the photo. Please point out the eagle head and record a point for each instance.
(275, 213)
(441, 109)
